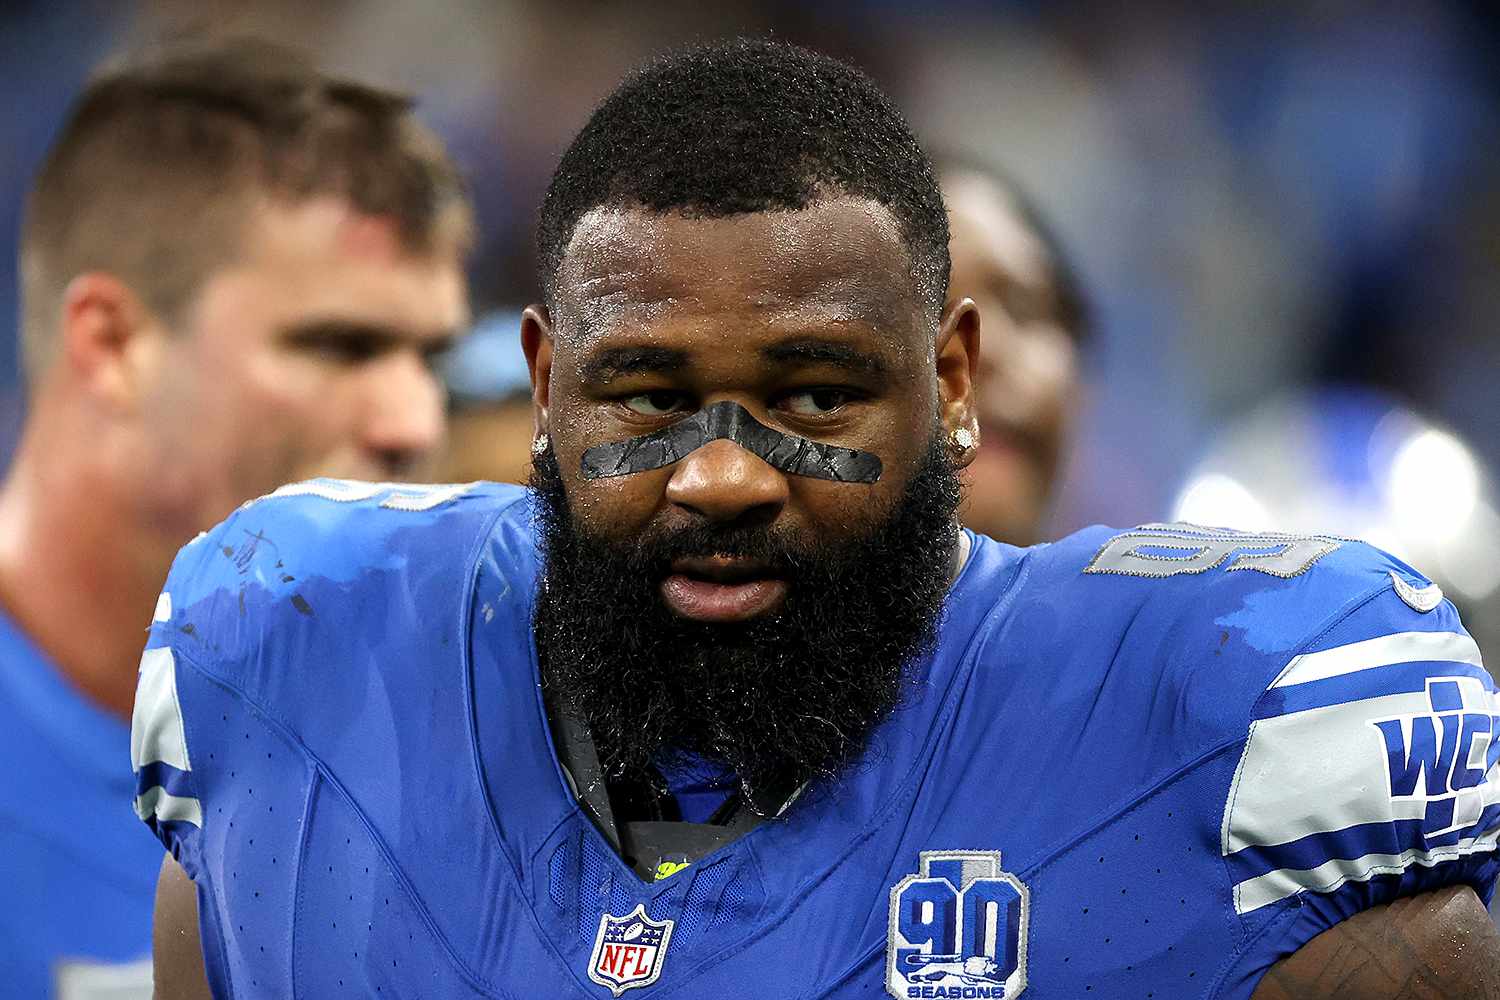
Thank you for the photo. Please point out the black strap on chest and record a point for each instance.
(640, 818)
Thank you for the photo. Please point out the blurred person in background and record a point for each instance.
(1036, 320)
(236, 272)
(489, 392)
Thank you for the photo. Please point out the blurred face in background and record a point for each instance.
(310, 355)
(1028, 368)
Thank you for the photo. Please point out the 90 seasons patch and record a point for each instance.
(958, 930)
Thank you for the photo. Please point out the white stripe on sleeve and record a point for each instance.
(1315, 772)
(1400, 647)
(155, 801)
(1271, 887)
(156, 732)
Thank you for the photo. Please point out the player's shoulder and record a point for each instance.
(310, 557)
(1308, 705)
(1274, 590)
(332, 528)
(288, 615)
(351, 501)
(1211, 618)
(1158, 563)
(354, 512)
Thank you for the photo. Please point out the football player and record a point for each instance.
(236, 271)
(1036, 322)
(729, 706)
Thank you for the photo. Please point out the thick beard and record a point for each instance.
(776, 701)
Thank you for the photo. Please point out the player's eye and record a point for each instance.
(660, 403)
(815, 402)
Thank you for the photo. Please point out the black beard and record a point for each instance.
(776, 701)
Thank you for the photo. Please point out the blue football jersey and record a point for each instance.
(1138, 763)
(78, 870)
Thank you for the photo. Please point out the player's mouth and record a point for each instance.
(722, 588)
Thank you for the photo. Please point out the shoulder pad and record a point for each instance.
(251, 585)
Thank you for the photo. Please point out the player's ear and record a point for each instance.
(111, 342)
(957, 373)
(536, 341)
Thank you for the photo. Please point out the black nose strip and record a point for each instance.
(732, 422)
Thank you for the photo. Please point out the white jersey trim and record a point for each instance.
(156, 729)
(156, 801)
(1272, 887)
(1399, 647)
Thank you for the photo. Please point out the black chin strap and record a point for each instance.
(631, 816)
(580, 763)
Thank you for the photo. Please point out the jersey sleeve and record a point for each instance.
(250, 639)
(166, 797)
(218, 779)
(1368, 774)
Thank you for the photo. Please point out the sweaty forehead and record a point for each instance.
(840, 260)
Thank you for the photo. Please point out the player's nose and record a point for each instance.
(723, 482)
(404, 416)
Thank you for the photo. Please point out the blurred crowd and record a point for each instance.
(1247, 250)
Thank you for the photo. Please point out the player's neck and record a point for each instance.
(77, 573)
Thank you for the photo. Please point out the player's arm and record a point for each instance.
(1440, 945)
(1359, 830)
(177, 950)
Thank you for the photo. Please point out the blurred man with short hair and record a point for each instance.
(1036, 320)
(236, 272)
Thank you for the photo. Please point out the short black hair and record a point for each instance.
(1074, 310)
(745, 126)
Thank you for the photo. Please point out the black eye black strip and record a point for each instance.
(732, 422)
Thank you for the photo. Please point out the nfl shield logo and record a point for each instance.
(629, 950)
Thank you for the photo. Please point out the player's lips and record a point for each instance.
(722, 588)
